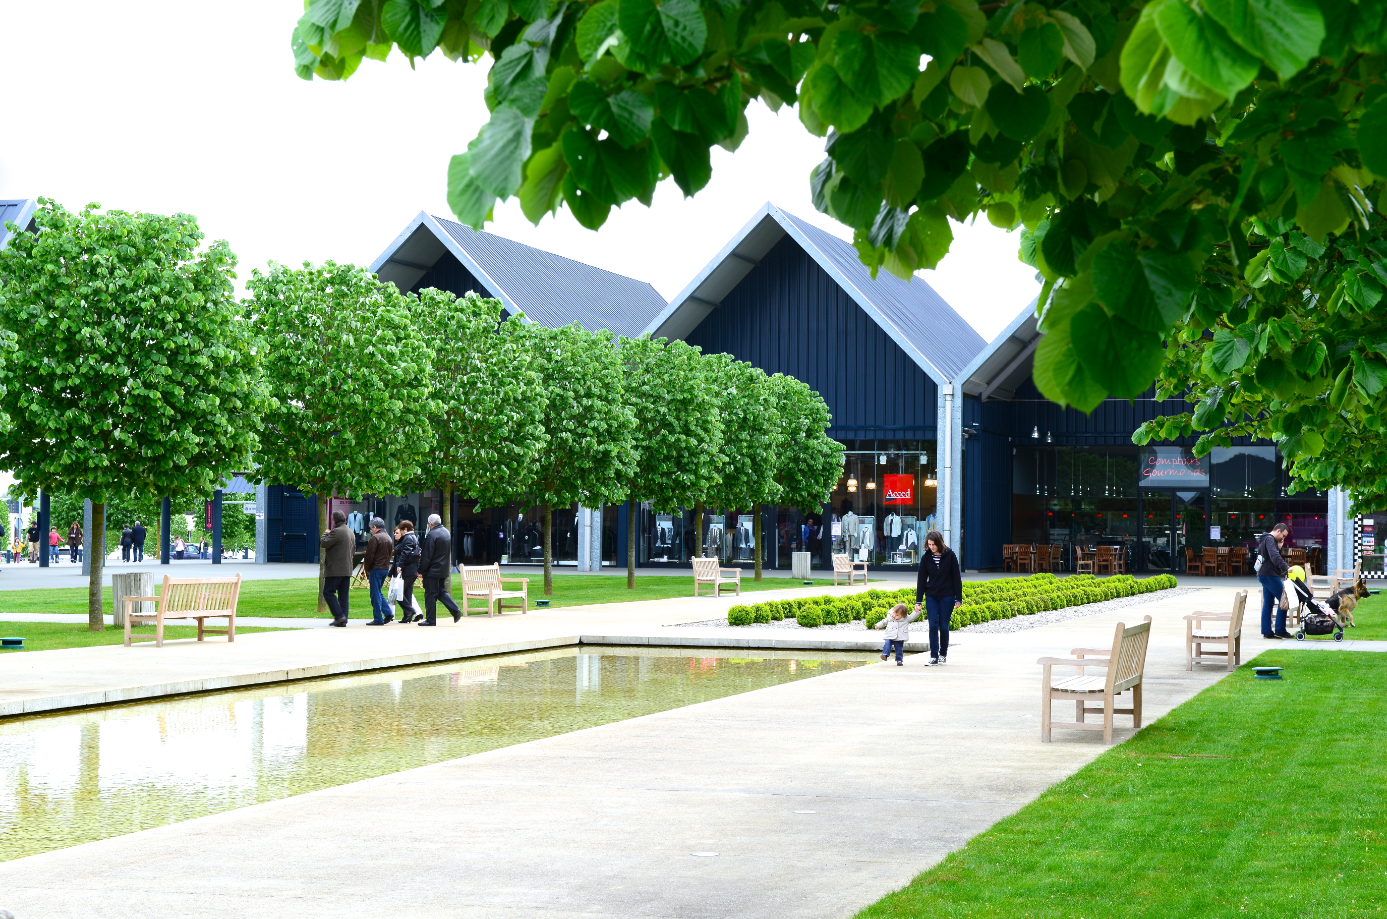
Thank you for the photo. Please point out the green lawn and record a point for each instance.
(1254, 799)
(48, 636)
(299, 596)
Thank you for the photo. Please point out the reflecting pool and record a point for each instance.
(67, 779)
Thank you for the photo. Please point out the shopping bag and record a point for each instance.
(397, 590)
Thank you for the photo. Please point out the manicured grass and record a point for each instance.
(298, 597)
(1370, 616)
(1255, 798)
(48, 636)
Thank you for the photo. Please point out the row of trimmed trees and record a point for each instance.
(128, 367)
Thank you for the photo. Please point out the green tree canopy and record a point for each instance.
(589, 457)
(1179, 167)
(809, 462)
(346, 368)
(128, 366)
(678, 428)
(488, 431)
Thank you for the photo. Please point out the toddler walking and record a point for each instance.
(897, 626)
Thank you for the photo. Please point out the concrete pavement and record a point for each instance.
(899, 766)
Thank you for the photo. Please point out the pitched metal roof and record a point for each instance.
(18, 210)
(547, 288)
(998, 369)
(911, 313)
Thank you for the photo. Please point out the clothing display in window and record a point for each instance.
(356, 522)
(891, 526)
(664, 531)
(849, 532)
(712, 543)
(746, 540)
(866, 537)
(405, 511)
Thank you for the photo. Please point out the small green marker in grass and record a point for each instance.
(542, 604)
(1267, 673)
(11, 642)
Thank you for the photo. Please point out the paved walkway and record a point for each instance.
(897, 765)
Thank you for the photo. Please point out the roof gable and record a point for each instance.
(1006, 363)
(911, 313)
(547, 288)
(19, 211)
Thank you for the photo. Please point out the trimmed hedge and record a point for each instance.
(983, 601)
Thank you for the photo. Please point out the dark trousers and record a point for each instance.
(1272, 589)
(335, 593)
(939, 610)
(407, 604)
(380, 610)
(437, 590)
(893, 644)
(125, 553)
(137, 552)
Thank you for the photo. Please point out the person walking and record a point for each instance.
(406, 565)
(436, 568)
(54, 541)
(127, 539)
(137, 538)
(377, 566)
(1271, 570)
(337, 545)
(897, 626)
(940, 583)
(33, 535)
(74, 542)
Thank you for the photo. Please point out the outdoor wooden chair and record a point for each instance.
(484, 583)
(1009, 557)
(1210, 561)
(1083, 564)
(1194, 564)
(188, 598)
(1231, 638)
(1041, 559)
(1237, 561)
(707, 571)
(1103, 562)
(1025, 559)
(844, 565)
(1125, 663)
(1056, 557)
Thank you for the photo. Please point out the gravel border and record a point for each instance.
(1014, 624)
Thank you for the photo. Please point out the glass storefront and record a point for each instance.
(885, 502)
(1160, 504)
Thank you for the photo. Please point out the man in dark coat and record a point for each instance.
(137, 537)
(127, 538)
(337, 546)
(377, 565)
(436, 569)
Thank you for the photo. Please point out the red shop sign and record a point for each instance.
(898, 488)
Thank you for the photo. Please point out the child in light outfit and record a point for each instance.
(897, 626)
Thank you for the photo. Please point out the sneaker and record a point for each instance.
(943, 661)
(885, 656)
(1284, 634)
(933, 661)
(900, 663)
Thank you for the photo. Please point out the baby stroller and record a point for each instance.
(1317, 617)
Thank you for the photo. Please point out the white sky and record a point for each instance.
(178, 106)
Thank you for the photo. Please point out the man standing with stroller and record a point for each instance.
(1270, 572)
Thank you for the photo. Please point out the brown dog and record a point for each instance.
(1345, 601)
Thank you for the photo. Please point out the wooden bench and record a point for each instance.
(484, 582)
(844, 565)
(707, 571)
(189, 598)
(1196, 636)
(1125, 664)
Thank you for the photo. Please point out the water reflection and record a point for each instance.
(75, 778)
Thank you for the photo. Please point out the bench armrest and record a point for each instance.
(1198, 616)
(1081, 662)
(148, 599)
(515, 580)
(736, 571)
(1080, 652)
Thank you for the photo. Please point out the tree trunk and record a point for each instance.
(448, 507)
(632, 516)
(96, 621)
(322, 528)
(756, 538)
(548, 524)
(698, 530)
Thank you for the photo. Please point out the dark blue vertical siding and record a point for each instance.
(788, 316)
(986, 487)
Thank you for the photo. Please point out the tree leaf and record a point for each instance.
(837, 102)
(942, 34)
(879, 69)
(1372, 136)
(1203, 48)
(686, 155)
(542, 192)
(1060, 377)
(1171, 278)
(672, 32)
(333, 15)
(996, 55)
(1121, 286)
(1079, 46)
(1040, 49)
(1144, 58)
(864, 155)
(598, 31)
(1019, 115)
(1324, 215)
(1117, 355)
(467, 200)
(1369, 376)
(500, 151)
(971, 84)
(1211, 410)
(1284, 33)
(904, 175)
(413, 25)
(1229, 352)
(588, 209)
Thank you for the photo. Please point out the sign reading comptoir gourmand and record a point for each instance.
(1172, 467)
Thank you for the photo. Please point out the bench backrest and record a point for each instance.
(481, 578)
(705, 569)
(199, 595)
(1239, 604)
(841, 563)
(1128, 660)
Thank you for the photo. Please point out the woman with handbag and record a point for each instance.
(406, 567)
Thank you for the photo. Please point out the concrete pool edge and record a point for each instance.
(221, 682)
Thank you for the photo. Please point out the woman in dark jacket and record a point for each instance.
(406, 564)
(941, 585)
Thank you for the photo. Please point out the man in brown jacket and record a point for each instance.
(337, 546)
(377, 565)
